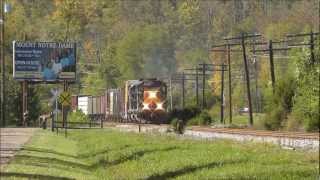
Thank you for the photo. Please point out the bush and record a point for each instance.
(306, 101)
(293, 124)
(78, 116)
(205, 118)
(184, 114)
(193, 121)
(274, 118)
(280, 103)
(202, 119)
(306, 109)
(215, 112)
(178, 125)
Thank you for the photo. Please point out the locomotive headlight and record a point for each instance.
(145, 106)
(152, 94)
(160, 105)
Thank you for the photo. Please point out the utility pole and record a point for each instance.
(204, 69)
(227, 50)
(227, 47)
(197, 82)
(182, 80)
(310, 44)
(271, 66)
(183, 91)
(222, 95)
(247, 78)
(203, 85)
(312, 47)
(256, 76)
(170, 84)
(271, 51)
(3, 98)
(242, 38)
(197, 85)
(229, 83)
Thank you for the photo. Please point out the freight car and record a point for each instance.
(93, 106)
(114, 104)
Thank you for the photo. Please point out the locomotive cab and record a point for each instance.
(154, 101)
(146, 100)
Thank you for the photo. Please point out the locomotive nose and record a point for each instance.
(152, 105)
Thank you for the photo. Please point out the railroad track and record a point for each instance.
(243, 131)
(293, 135)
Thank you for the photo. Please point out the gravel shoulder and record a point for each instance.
(11, 141)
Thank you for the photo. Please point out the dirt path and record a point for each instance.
(11, 141)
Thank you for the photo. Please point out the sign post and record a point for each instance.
(25, 113)
(54, 99)
(65, 100)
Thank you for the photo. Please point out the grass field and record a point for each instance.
(107, 154)
(243, 120)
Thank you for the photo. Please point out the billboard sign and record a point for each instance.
(44, 61)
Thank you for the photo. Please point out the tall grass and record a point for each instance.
(106, 154)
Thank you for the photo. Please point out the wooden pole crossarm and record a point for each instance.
(192, 69)
(300, 44)
(281, 41)
(222, 50)
(214, 64)
(242, 36)
(266, 50)
(190, 74)
(225, 45)
(238, 44)
(302, 34)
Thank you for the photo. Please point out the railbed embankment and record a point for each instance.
(289, 140)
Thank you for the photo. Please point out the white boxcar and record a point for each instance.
(83, 102)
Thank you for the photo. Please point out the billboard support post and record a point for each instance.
(24, 103)
(64, 109)
(3, 77)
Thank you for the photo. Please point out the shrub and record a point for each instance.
(293, 124)
(178, 125)
(78, 116)
(306, 109)
(202, 119)
(274, 118)
(184, 114)
(214, 112)
(306, 101)
(193, 121)
(280, 103)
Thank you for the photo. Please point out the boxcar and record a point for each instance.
(93, 106)
(83, 103)
(114, 104)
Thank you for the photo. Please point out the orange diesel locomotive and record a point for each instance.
(145, 100)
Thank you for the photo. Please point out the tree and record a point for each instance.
(306, 100)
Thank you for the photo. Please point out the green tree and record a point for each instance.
(306, 100)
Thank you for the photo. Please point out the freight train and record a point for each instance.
(138, 101)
